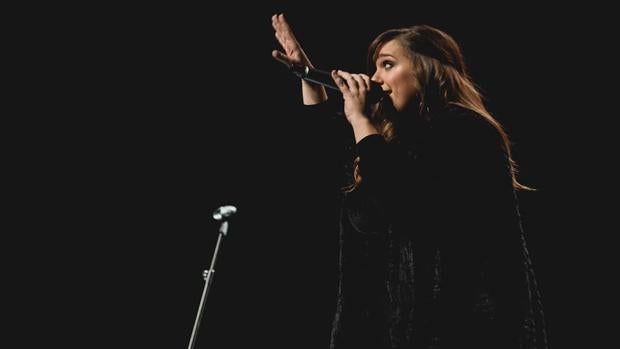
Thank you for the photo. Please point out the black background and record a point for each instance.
(160, 114)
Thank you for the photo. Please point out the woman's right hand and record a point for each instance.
(292, 53)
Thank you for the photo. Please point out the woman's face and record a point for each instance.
(395, 74)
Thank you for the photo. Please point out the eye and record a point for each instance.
(387, 64)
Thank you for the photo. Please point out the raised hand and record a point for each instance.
(291, 53)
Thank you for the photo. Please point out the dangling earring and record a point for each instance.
(423, 109)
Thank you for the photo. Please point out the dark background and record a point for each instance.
(162, 114)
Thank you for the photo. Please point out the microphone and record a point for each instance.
(324, 78)
(223, 212)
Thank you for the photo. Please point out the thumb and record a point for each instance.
(280, 57)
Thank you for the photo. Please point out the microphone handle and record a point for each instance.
(317, 76)
(324, 78)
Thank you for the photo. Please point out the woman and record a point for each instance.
(432, 253)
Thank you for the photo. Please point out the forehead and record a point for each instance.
(391, 48)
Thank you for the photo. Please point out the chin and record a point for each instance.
(394, 104)
(398, 107)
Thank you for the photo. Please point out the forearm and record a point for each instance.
(312, 93)
(362, 127)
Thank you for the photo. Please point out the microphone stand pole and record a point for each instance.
(208, 276)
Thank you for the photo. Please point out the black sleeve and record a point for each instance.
(462, 174)
(327, 142)
(388, 173)
(325, 119)
(378, 163)
(329, 109)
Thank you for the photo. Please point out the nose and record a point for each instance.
(376, 78)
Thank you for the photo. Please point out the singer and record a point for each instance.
(432, 252)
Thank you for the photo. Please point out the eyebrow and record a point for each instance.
(385, 55)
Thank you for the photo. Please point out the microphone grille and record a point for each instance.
(224, 212)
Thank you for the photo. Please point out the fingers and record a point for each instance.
(277, 21)
(344, 81)
(280, 25)
(340, 82)
(284, 34)
(365, 79)
(291, 51)
(354, 89)
(352, 83)
(281, 57)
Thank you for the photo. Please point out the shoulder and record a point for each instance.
(456, 117)
(463, 125)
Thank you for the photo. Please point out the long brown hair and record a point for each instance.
(439, 67)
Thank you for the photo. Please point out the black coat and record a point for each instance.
(432, 252)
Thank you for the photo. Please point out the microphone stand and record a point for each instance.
(208, 277)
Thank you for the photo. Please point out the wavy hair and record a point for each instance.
(439, 67)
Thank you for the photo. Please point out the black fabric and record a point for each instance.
(432, 253)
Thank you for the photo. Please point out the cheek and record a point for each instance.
(404, 89)
(404, 94)
(408, 93)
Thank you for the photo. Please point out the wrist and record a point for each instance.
(359, 120)
(362, 127)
